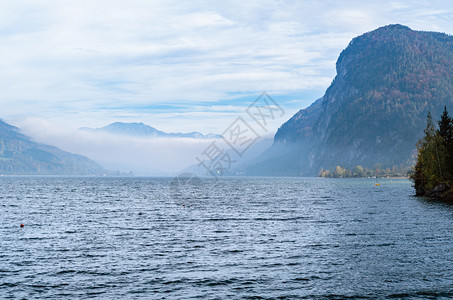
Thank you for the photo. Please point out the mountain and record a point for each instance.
(143, 130)
(21, 156)
(374, 111)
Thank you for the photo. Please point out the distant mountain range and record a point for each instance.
(374, 111)
(19, 155)
(143, 130)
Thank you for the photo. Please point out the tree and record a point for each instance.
(359, 171)
(446, 127)
(324, 173)
(446, 132)
(339, 172)
(418, 177)
(434, 155)
(430, 129)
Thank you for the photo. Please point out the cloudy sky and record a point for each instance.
(180, 65)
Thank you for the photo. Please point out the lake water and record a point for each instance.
(238, 238)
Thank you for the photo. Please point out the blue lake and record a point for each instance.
(237, 238)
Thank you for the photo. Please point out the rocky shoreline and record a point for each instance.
(441, 191)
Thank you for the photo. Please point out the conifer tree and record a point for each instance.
(419, 178)
(445, 127)
(446, 132)
(435, 155)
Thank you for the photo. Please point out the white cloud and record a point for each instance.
(91, 62)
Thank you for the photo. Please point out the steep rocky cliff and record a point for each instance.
(375, 109)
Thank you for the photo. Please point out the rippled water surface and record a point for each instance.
(239, 238)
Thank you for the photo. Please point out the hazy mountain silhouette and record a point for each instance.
(19, 155)
(143, 130)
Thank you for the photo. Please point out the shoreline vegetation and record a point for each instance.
(433, 174)
(361, 172)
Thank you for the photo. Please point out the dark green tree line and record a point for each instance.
(434, 155)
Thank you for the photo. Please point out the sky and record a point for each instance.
(178, 66)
